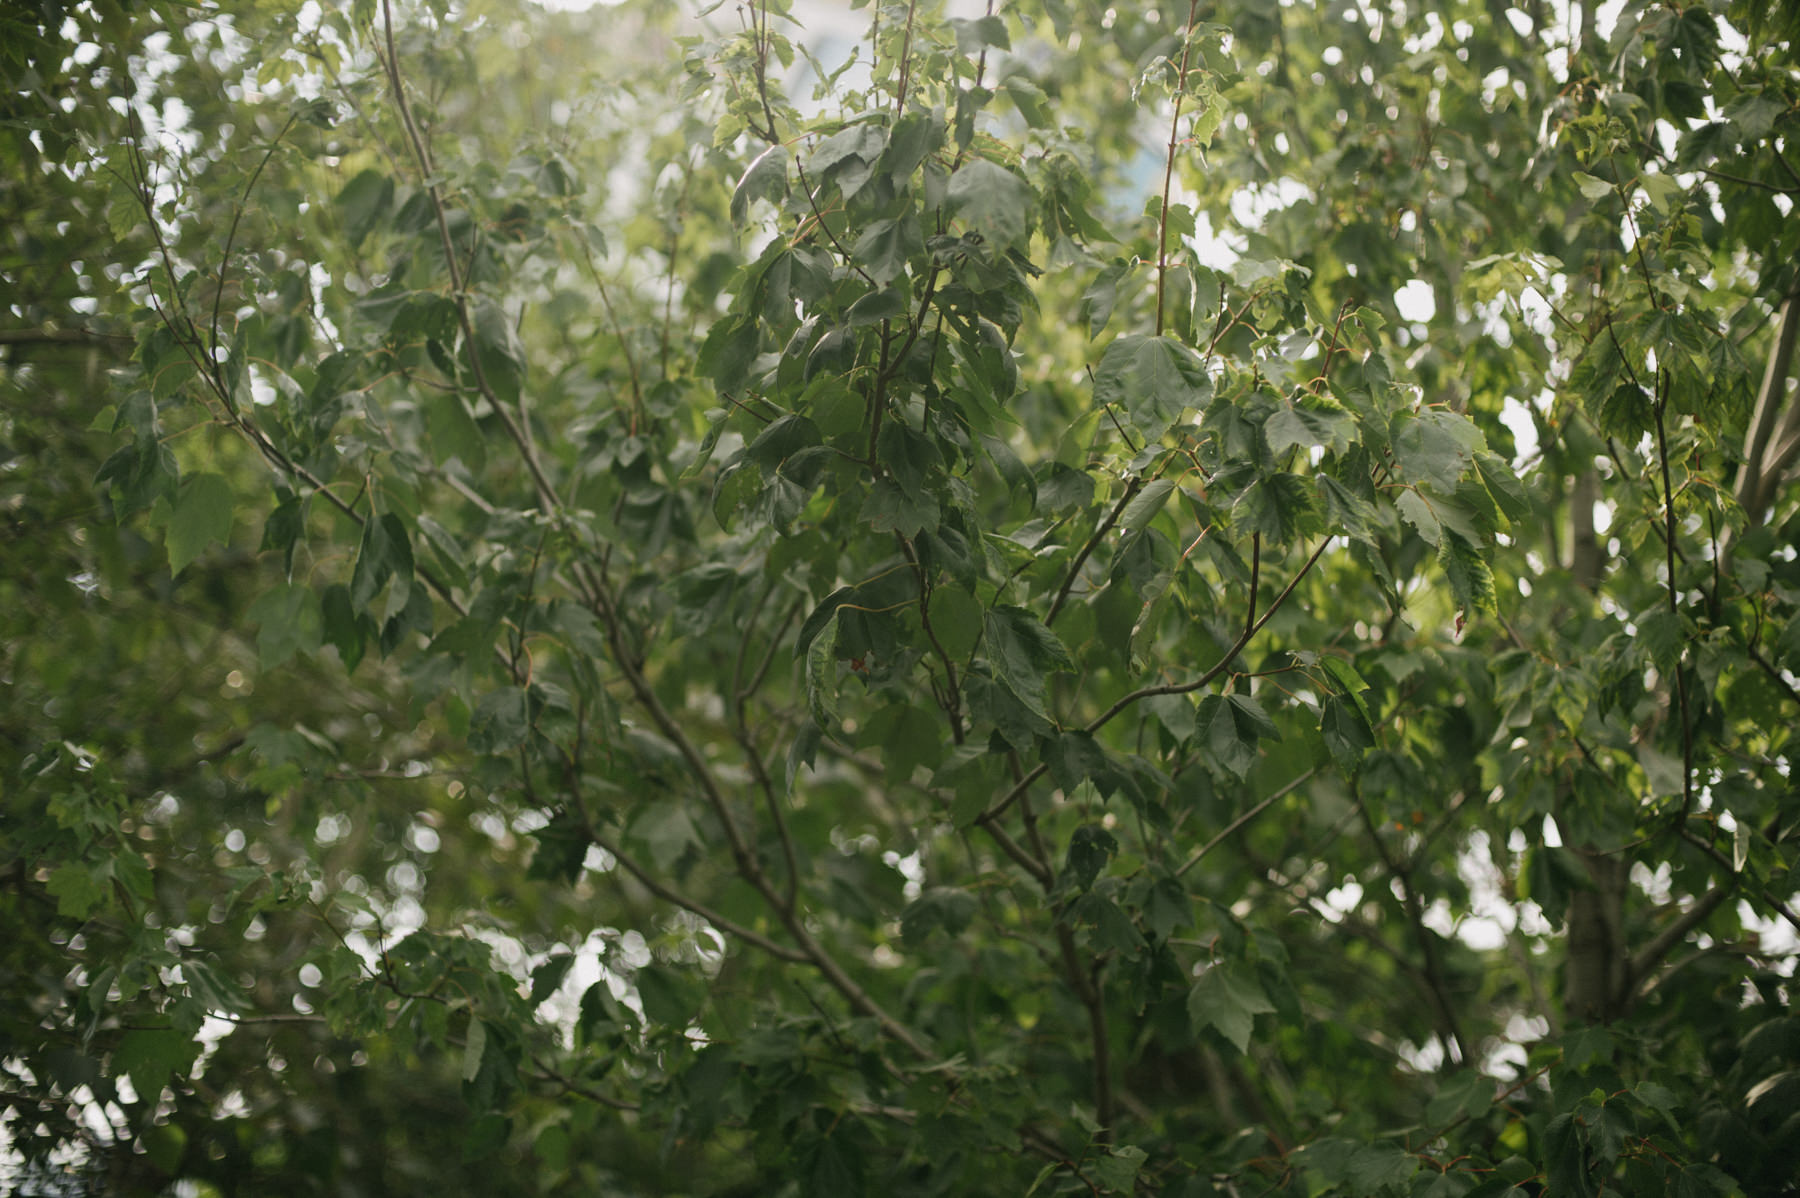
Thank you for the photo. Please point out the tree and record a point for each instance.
(1194, 599)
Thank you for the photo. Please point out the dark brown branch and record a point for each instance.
(670, 895)
(1132, 486)
(1651, 955)
(422, 156)
(1238, 823)
(1415, 917)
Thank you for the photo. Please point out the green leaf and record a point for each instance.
(1118, 1169)
(974, 36)
(1280, 506)
(1227, 998)
(152, 1056)
(1435, 447)
(670, 996)
(290, 621)
(1663, 635)
(1565, 1146)
(1503, 485)
(1231, 727)
(1364, 1170)
(1090, 848)
(1345, 727)
(1146, 504)
(848, 157)
(1591, 187)
(668, 831)
(822, 673)
(1021, 650)
(877, 306)
(453, 432)
(1471, 579)
(908, 736)
(474, 1048)
(992, 200)
(385, 552)
(365, 202)
(956, 620)
(1465, 1094)
(343, 627)
(1347, 511)
(78, 888)
(498, 350)
(486, 1136)
(766, 178)
(1419, 512)
(201, 515)
(1152, 380)
(888, 508)
(939, 908)
(1309, 424)
(548, 977)
(885, 246)
(501, 721)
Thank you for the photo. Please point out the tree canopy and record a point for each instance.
(1179, 598)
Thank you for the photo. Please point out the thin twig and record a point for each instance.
(1162, 220)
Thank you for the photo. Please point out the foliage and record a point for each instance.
(593, 601)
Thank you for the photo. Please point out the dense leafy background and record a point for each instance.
(1167, 599)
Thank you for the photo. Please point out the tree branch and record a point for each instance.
(1753, 477)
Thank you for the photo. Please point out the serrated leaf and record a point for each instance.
(1309, 425)
(956, 620)
(1090, 848)
(1152, 380)
(1021, 650)
(290, 621)
(1347, 511)
(974, 36)
(1504, 485)
(1662, 634)
(77, 887)
(1471, 579)
(1231, 727)
(766, 178)
(822, 673)
(385, 552)
(939, 908)
(1118, 1169)
(992, 200)
(1417, 512)
(1228, 997)
(151, 1056)
(1144, 506)
(1280, 506)
(1435, 446)
(364, 201)
(500, 722)
(201, 515)
(474, 1048)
